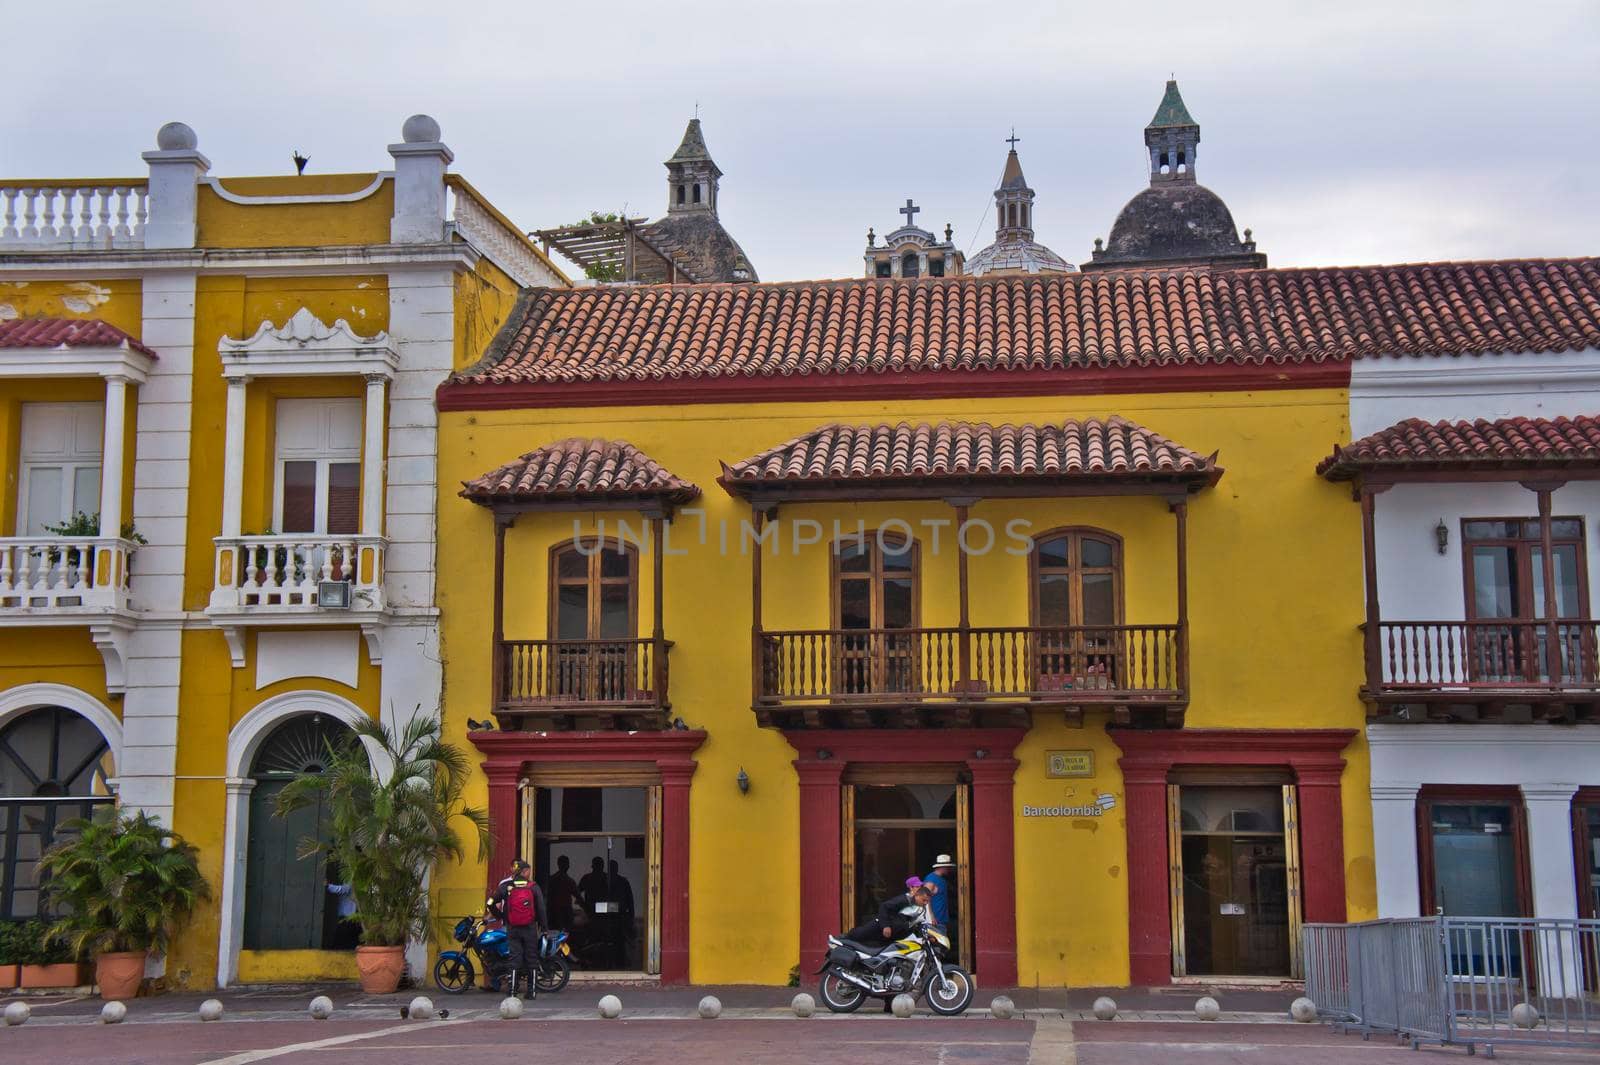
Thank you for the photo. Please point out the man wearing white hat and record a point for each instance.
(943, 870)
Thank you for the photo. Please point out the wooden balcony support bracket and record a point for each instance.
(497, 692)
(1543, 490)
(1180, 512)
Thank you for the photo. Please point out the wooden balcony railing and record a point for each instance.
(1003, 669)
(1494, 657)
(544, 678)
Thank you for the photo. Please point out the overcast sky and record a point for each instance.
(1340, 132)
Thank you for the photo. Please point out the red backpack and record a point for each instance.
(519, 904)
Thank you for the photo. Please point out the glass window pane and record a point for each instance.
(1566, 530)
(572, 612)
(613, 563)
(855, 557)
(1494, 588)
(572, 563)
(1566, 568)
(1492, 530)
(897, 603)
(1224, 809)
(344, 498)
(44, 499)
(855, 604)
(299, 497)
(1053, 552)
(1099, 599)
(1055, 605)
(86, 490)
(1474, 860)
(897, 557)
(1098, 553)
(614, 612)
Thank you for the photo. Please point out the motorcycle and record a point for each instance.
(917, 964)
(455, 972)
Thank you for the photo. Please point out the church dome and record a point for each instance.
(1018, 257)
(1180, 220)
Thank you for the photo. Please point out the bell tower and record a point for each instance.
(1172, 136)
(1013, 201)
(692, 176)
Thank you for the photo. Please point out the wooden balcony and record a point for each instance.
(581, 684)
(877, 678)
(1501, 669)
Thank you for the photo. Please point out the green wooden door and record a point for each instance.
(285, 895)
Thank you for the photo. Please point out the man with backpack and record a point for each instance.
(519, 904)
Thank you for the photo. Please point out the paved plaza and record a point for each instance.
(660, 1026)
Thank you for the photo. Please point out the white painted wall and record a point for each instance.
(1388, 390)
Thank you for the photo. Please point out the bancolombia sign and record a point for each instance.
(1103, 804)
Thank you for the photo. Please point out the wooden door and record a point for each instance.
(876, 604)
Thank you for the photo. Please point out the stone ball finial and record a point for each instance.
(420, 129)
(176, 137)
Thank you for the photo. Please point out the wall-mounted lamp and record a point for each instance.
(743, 780)
(1441, 536)
(981, 752)
(823, 754)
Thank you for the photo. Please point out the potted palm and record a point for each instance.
(12, 952)
(43, 961)
(123, 884)
(391, 818)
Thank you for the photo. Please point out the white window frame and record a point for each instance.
(69, 461)
(321, 452)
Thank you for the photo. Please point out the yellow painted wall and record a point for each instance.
(484, 299)
(222, 224)
(114, 301)
(1274, 578)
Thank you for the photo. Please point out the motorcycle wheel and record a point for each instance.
(453, 974)
(954, 995)
(553, 974)
(839, 995)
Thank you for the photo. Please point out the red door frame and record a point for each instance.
(987, 754)
(507, 755)
(1314, 756)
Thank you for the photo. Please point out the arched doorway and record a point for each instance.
(288, 905)
(54, 765)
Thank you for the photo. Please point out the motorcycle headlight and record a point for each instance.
(939, 938)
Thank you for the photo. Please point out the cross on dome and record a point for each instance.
(1013, 139)
(910, 210)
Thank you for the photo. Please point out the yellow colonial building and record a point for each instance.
(217, 524)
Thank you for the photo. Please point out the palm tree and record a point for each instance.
(391, 820)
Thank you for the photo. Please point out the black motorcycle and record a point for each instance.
(917, 964)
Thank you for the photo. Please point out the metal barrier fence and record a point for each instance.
(1460, 980)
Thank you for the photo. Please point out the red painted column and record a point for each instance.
(675, 777)
(1321, 841)
(1149, 892)
(994, 872)
(821, 858)
(503, 799)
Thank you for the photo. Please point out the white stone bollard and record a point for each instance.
(1207, 1009)
(1524, 1015)
(710, 1008)
(1002, 1008)
(611, 1007)
(1105, 1008)
(510, 1008)
(1302, 1010)
(803, 1005)
(422, 1008)
(17, 1013)
(113, 1013)
(211, 1010)
(321, 1008)
(903, 1006)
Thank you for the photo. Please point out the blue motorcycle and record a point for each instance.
(455, 970)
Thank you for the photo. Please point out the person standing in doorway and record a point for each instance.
(944, 871)
(560, 893)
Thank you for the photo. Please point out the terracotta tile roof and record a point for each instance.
(580, 470)
(1506, 443)
(1107, 319)
(1093, 450)
(65, 333)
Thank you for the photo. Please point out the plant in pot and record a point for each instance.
(122, 884)
(12, 952)
(44, 960)
(391, 819)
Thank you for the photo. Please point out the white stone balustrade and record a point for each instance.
(494, 235)
(270, 574)
(55, 573)
(74, 215)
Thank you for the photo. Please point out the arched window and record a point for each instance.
(53, 765)
(1076, 599)
(697, 192)
(1024, 216)
(288, 904)
(594, 617)
(876, 594)
(910, 265)
(681, 194)
(1011, 214)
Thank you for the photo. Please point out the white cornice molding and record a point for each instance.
(1473, 374)
(337, 260)
(273, 201)
(307, 346)
(122, 361)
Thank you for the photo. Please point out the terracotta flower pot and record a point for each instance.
(380, 968)
(62, 974)
(9, 976)
(119, 975)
